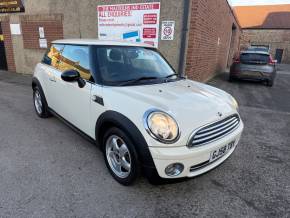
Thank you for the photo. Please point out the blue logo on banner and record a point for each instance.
(132, 35)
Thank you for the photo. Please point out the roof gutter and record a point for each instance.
(184, 37)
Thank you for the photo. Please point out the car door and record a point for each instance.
(71, 101)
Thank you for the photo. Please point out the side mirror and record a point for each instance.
(73, 76)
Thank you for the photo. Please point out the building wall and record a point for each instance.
(212, 43)
(209, 43)
(25, 48)
(79, 20)
(276, 39)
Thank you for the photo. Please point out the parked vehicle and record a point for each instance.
(259, 48)
(129, 100)
(254, 64)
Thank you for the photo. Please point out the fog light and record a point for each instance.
(174, 169)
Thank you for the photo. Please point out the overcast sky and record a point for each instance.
(258, 2)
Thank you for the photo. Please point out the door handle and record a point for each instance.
(98, 99)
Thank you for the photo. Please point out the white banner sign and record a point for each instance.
(15, 29)
(167, 32)
(132, 22)
(42, 43)
(41, 32)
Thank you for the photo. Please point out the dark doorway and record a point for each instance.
(279, 55)
(3, 61)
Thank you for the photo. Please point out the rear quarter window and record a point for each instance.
(53, 55)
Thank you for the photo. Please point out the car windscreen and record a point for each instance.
(119, 65)
(254, 58)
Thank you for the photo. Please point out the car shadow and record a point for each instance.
(225, 77)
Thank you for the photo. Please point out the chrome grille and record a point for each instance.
(214, 131)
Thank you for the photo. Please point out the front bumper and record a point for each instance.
(196, 159)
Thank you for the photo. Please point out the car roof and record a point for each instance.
(101, 42)
(259, 46)
(255, 52)
(258, 49)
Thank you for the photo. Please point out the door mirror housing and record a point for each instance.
(70, 75)
(73, 76)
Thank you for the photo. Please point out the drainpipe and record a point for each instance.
(186, 11)
(79, 14)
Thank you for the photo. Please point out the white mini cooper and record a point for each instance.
(129, 100)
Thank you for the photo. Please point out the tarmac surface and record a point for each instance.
(47, 170)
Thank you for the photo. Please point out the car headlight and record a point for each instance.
(161, 126)
(235, 103)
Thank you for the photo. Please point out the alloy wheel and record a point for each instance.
(118, 156)
(37, 102)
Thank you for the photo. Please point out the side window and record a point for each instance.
(77, 58)
(53, 55)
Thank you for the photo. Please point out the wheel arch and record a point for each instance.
(114, 119)
(35, 82)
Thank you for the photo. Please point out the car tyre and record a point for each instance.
(121, 156)
(153, 177)
(270, 83)
(231, 79)
(40, 104)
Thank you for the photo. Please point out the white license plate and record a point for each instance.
(251, 74)
(221, 151)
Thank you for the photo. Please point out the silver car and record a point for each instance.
(254, 65)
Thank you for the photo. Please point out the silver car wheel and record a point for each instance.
(118, 156)
(37, 102)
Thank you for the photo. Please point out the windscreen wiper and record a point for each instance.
(133, 81)
(171, 75)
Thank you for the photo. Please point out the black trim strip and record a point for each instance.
(206, 163)
(215, 137)
(73, 127)
(217, 123)
(198, 166)
(213, 127)
(213, 132)
(120, 121)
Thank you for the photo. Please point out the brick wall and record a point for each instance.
(210, 43)
(53, 29)
(276, 39)
(209, 33)
(8, 43)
